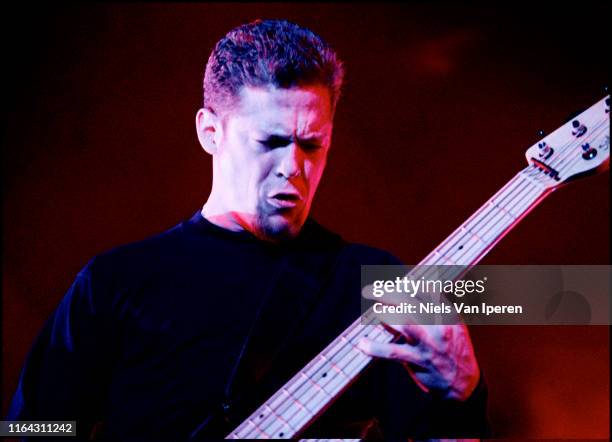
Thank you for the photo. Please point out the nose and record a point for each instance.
(290, 165)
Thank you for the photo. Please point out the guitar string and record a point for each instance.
(537, 173)
(437, 250)
(279, 410)
(291, 400)
(485, 214)
(347, 334)
(470, 230)
(298, 388)
(567, 150)
(563, 152)
(463, 257)
(598, 125)
(595, 133)
(302, 372)
(339, 363)
(290, 395)
(288, 387)
(559, 161)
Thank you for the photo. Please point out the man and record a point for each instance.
(182, 335)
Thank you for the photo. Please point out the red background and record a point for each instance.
(439, 106)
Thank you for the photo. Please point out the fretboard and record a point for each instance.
(305, 396)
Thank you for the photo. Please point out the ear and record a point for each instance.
(208, 128)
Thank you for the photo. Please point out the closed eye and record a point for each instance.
(310, 146)
(274, 141)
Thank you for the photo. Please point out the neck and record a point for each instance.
(226, 220)
(240, 222)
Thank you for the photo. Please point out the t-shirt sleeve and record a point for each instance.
(65, 374)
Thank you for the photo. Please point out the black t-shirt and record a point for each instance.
(183, 334)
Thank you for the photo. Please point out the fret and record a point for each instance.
(343, 357)
(314, 396)
(532, 178)
(468, 239)
(285, 404)
(273, 421)
(357, 330)
(300, 419)
(527, 202)
(345, 340)
(500, 203)
(333, 365)
(334, 354)
(496, 222)
(305, 391)
(321, 371)
(285, 430)
(478, 233)
(248, 429)
(499, 220)
(358, 361)
(310, 396)
(503, 209)
(276, 424)
(289, 421)
(321, 378)
(475, 217)
(508, 199)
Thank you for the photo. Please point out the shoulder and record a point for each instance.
(358, 253)
(141, 256)
(369, 255)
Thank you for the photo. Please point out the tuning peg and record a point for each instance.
(579, 129)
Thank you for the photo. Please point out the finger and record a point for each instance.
(415, 333)
(399, 352)
(420, 378)
(395, 330)
(388, 298)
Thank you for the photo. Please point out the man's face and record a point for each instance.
(270, 153)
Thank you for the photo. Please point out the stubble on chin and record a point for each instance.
(272, 226)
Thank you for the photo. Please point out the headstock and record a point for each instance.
(579, 147)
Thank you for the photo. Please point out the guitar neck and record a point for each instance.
(303, 398)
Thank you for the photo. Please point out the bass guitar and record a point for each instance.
(580, 147)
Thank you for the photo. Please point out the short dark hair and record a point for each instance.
(269, 52)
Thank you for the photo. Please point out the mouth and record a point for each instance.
(284, 200)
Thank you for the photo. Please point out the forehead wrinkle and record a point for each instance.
(292, 131)
(284, 115)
